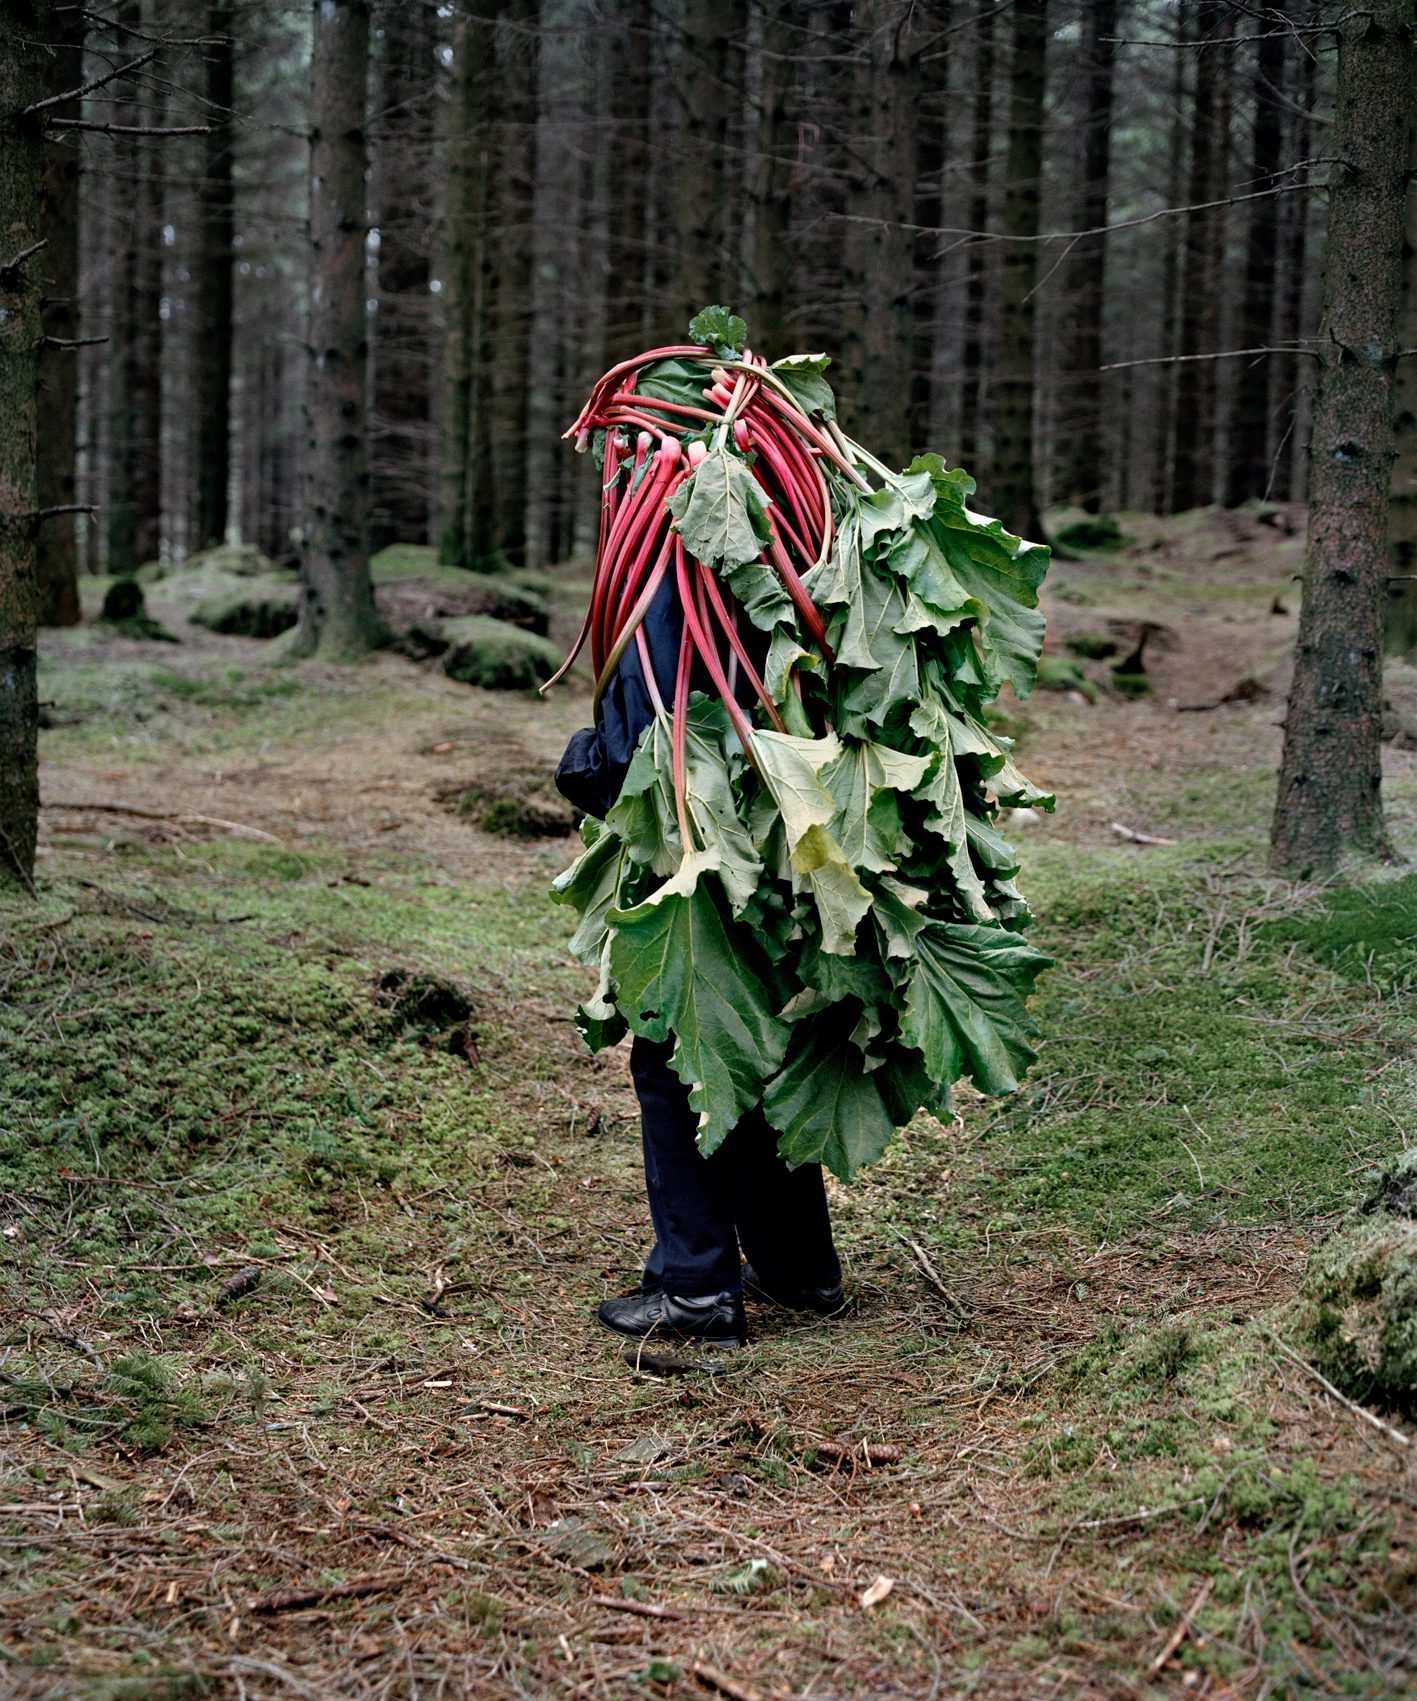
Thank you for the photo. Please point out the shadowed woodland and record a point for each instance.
(308, 1185)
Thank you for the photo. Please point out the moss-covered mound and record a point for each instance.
(257, 608)
(239, 560)
(497, 656)
(1357, 1306)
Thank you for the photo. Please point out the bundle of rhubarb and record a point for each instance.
(813, 895)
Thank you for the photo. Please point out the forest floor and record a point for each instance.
(301, 1390)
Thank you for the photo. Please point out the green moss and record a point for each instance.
(258, 608)
(1364, 932)
(496, 656)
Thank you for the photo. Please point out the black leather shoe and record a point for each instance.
(716, 1318)
(826, 1302)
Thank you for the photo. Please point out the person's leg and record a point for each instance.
(696, 1250)
(781, 1214)
(692, 1287)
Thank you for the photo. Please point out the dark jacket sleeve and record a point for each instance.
(593, 769)
(597, 758)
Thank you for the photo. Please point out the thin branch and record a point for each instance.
(9, 267)
(1101, 229)
(69, 342)
(88, 88)
(130, 129)
(1357, 1410)
(1225, 354)
(67, 508)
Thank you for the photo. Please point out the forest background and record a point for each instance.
(555, 185)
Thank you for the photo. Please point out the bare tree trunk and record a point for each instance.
(338, 621)
(703, 274)
(1011, 482)
(401, 197)
(1161, 459)
(1248, 473)
(878, 260)
(772, 255)
(23, 30)
(135, 353)
(627, 310)
(1329, 802)
(518, 61)
(1188, 472)
(465, 238)
(1402, 531)
(1087, 270)
(932, 150)
(1215, 293)
(214, 284)
(1289, 323)
(972, 353)
(58, 543)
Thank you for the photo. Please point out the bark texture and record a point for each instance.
(703, 275)
(1012, 495)
(971, 401)
(401, 208)
(1189, 477)
(772, 189)
(878, 262)
(1402, 527)
(933, 106)
(1248, 472)
(514, 253)
(338, 620)
(1087, 268)
(58, 543)
(1329, 802)
(135, 351)
(23, 28)
(627, 310)
(214, 283)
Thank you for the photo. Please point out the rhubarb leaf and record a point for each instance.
(825, 1106)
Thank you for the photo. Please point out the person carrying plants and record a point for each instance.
(793, 882)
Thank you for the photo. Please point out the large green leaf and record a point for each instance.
(721, 512)
(841, 898)
(965, 1007)
(591, 884)
(824, 1104)
(865, 831)
(790, 766)
(681, 381)
(996, 569)
(802, 374)
(760, 591)
(680, 968)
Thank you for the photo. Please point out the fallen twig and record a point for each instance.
(934, 1276)
(713, 1678)
(1323, 1381)
(1183, 1629)
(1135, 838)
(642, 1609)
(287, 1599)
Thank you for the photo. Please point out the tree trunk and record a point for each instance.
(135, 352)
(1329, 802)
(878, 261)
(933, 150)
(1214, 292)
(772, 253)
(58, 543)
(1187, 477)
(1011, 483)
(24, 28)
(1249, 463)
(627, 308)
(464, 237)
(517, 63)
(1402, 529)
(1161, 459)
(214, 284)
(703, 275)
(401, 197)
(1087, 269)
(338, 621)
(972, 352)
(1288, 368)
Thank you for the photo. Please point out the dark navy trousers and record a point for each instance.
(744, 1196)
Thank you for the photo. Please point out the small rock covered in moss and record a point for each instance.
(497, 656)
(1356, 1311)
